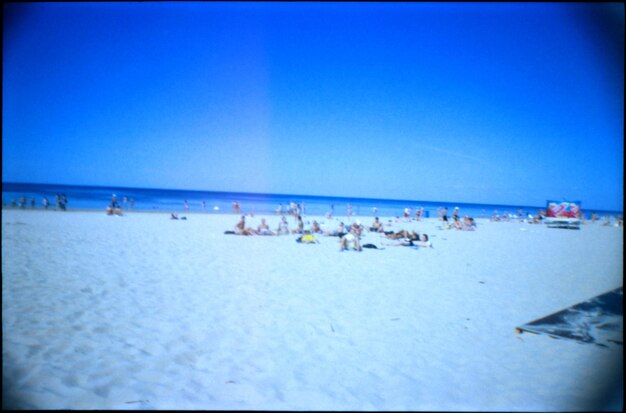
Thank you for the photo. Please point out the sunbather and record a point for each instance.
(377, 226)
(339, 232)
(283, 227)
(263, 228)
(354, 237)
(315, 227)
(241, 229)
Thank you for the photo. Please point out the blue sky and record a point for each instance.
(505, 103)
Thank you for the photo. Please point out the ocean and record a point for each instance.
(171, 200)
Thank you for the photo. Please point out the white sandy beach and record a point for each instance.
(143, 312)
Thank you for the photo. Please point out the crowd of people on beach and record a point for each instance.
(349, 236)
(22, 203)
(296, 210)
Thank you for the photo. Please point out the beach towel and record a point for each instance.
(306, 239)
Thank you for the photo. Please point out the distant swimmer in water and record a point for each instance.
(377, 226)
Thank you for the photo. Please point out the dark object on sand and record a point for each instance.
(599, 320)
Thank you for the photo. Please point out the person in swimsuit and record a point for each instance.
(315, 227)
(423, 242)
(354, 237)
(413, 240)
(283, 227)
(377, 226)
(263, 228)
(241, 229)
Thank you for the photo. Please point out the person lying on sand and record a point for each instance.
(339, 232)
(263, 228)
(241, 229)
(413, 240)
(469, 224)
(398, 235)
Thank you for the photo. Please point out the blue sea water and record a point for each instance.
(169, 200)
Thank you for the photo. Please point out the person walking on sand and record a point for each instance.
(45, 202)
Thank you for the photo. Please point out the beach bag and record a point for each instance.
(370, 246)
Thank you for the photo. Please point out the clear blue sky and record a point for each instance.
(486, 103)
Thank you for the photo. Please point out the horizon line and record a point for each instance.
(295, 195)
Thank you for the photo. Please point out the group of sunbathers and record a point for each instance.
(349, 236)
(464, 224)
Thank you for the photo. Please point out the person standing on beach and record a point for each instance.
(32, 202)
(349, 213)
(45, 202)
(186, 206)
(300, 225)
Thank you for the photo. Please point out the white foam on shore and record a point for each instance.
(143, 312)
